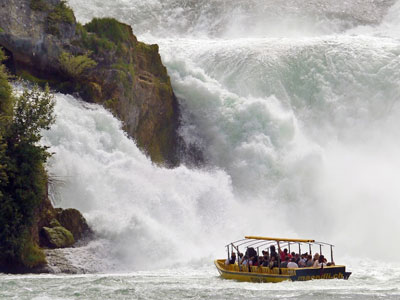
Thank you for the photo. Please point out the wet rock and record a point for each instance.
(57, 262)
(73, 220)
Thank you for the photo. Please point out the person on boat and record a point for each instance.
(273, 252)
(265, 262)
(240, 259)
(284, 264)
(302, 261)
(247, 261)
(320, 262)
(273, 262)
(232, 260)
(310, 261)
(315, 258)
(284, 253)
(292, 264)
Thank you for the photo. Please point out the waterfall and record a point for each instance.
(295, 105)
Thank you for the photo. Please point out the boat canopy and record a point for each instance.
(258, 242)
(278, 239)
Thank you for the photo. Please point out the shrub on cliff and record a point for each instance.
(75, 66)
(110, 29)
(23, 178)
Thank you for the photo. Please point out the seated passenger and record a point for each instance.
(240, 259)
(273, 263)
(310, 261)
(320, 262)
(292, 264)
(302, 261)
(285, 262)
(247, 261)
(316, 258)
(232, 260)
(265, 259)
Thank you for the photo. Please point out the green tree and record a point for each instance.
(23, 177)
(33, 112)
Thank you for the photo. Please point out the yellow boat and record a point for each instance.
(245, 272)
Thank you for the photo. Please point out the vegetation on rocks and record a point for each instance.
(75, 66)
(110, 29)
(61, 13)
(103, 62)
(23, 178)
(59, 237)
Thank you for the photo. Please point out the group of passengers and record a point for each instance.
(282, 259)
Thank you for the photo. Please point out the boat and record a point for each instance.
(246, 272)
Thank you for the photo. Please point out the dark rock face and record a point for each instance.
(127, 77)
(73, 220)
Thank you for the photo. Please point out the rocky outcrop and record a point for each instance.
(58, 237)
(57, 227)
(72, 220)
(102, 61)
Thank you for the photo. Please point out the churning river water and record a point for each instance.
(296, 108)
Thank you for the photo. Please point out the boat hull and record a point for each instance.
(263, 274)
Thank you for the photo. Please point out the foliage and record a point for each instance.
(96, 44)
(33, 112)
(23, 178)
(39, 5)
(1, 30)
(32, 256)
(61, 13)
(75, 66)
(5, 90)
(110, 29)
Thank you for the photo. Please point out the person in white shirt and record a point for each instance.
(292, 264)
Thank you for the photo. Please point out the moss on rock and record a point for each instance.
(32, 256)
(58, 237)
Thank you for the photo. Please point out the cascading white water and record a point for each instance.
(137, 208)
(295, 105)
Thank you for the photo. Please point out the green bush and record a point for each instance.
(75, 66)
(96, 44)
(110, 29)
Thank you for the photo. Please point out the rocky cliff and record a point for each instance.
(101, 61)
